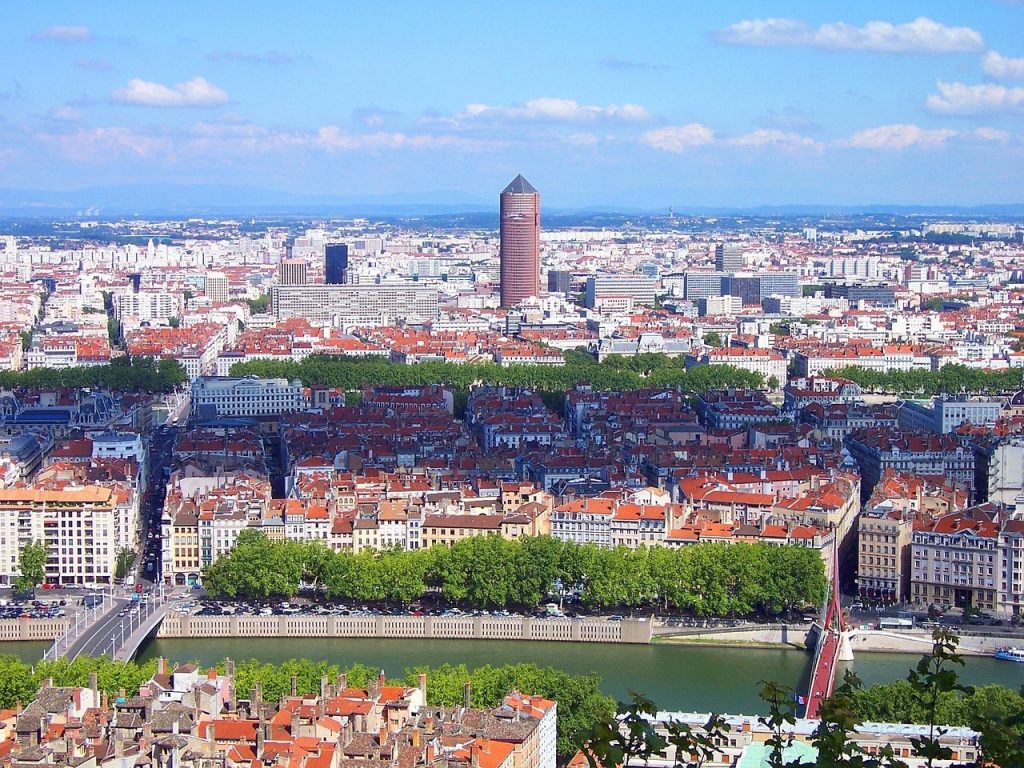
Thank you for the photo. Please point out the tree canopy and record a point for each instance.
(492, 572)
(138, 374)
(950, 379)
(31, 565)
(615, 372)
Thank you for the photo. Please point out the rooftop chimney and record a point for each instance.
(342, 682)
(94, 687)
(467, 694)
(323, 686)
(423, 685)
(294, 683)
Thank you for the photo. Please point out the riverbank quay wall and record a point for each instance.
(182, 626)
(861, 640)
(19, 630)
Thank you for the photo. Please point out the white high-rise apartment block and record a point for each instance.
(217, 287)
(147, 306)
(80, 526)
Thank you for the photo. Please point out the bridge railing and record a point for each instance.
(134, 621)
(84, 620)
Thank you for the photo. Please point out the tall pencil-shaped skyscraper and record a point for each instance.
(520, 242)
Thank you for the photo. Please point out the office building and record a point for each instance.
(944, 414)
(250, 396)
(336, 264)
(745, 287)
(346, 306)
(729, 258)
(779, 284)
(611, 288)
(719, 305)
(754, 288)
(883, 295)
(293, 272)
(217, 287)
(519, 253)
(559, 281)
(702, 285)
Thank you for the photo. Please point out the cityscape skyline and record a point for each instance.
(739, 106)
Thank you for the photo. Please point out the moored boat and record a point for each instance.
(1010, 654)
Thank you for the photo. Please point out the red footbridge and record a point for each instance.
(829, 647)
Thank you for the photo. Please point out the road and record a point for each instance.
(160, 453)
(96, 641)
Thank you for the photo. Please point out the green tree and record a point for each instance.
(173, 321)
(31, 565)
(259, 305)
(113, 331)
(123, 564)
(713, 339)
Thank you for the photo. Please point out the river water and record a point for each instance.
(686, 677)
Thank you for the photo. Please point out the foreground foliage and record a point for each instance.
(931, 696)
(492, 572)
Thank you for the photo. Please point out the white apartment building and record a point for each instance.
(146, 307)
(53, 353)
(605, 288)
(249, 396)
(78, 525)
(349, 305)
(766, 362)
(945, 414)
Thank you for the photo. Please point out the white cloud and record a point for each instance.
(961, 99)
(583, 140)
(992, 134)
(547, 109)
(678, 138)
(898, 136)
(922, 35)
(98, 144)
(64, 34)
(66, 114)
(197, 92)
(331, 137)
(1002, 67)
(772, 137)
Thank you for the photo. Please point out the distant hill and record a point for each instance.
(213, 200)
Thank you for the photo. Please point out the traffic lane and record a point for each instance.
(103, 628)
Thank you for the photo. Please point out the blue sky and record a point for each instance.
(632, 104)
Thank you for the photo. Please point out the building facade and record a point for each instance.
(520, 242)
(249, 396)
(335, 263)
(356, 305)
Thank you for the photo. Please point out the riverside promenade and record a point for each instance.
(581, 630)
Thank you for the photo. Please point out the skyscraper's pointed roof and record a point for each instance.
(519, 186)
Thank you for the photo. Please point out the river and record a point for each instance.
(675, 676)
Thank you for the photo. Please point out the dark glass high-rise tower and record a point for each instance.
(520, 242)
(336, 264)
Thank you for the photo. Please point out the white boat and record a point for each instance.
(1010, 654)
